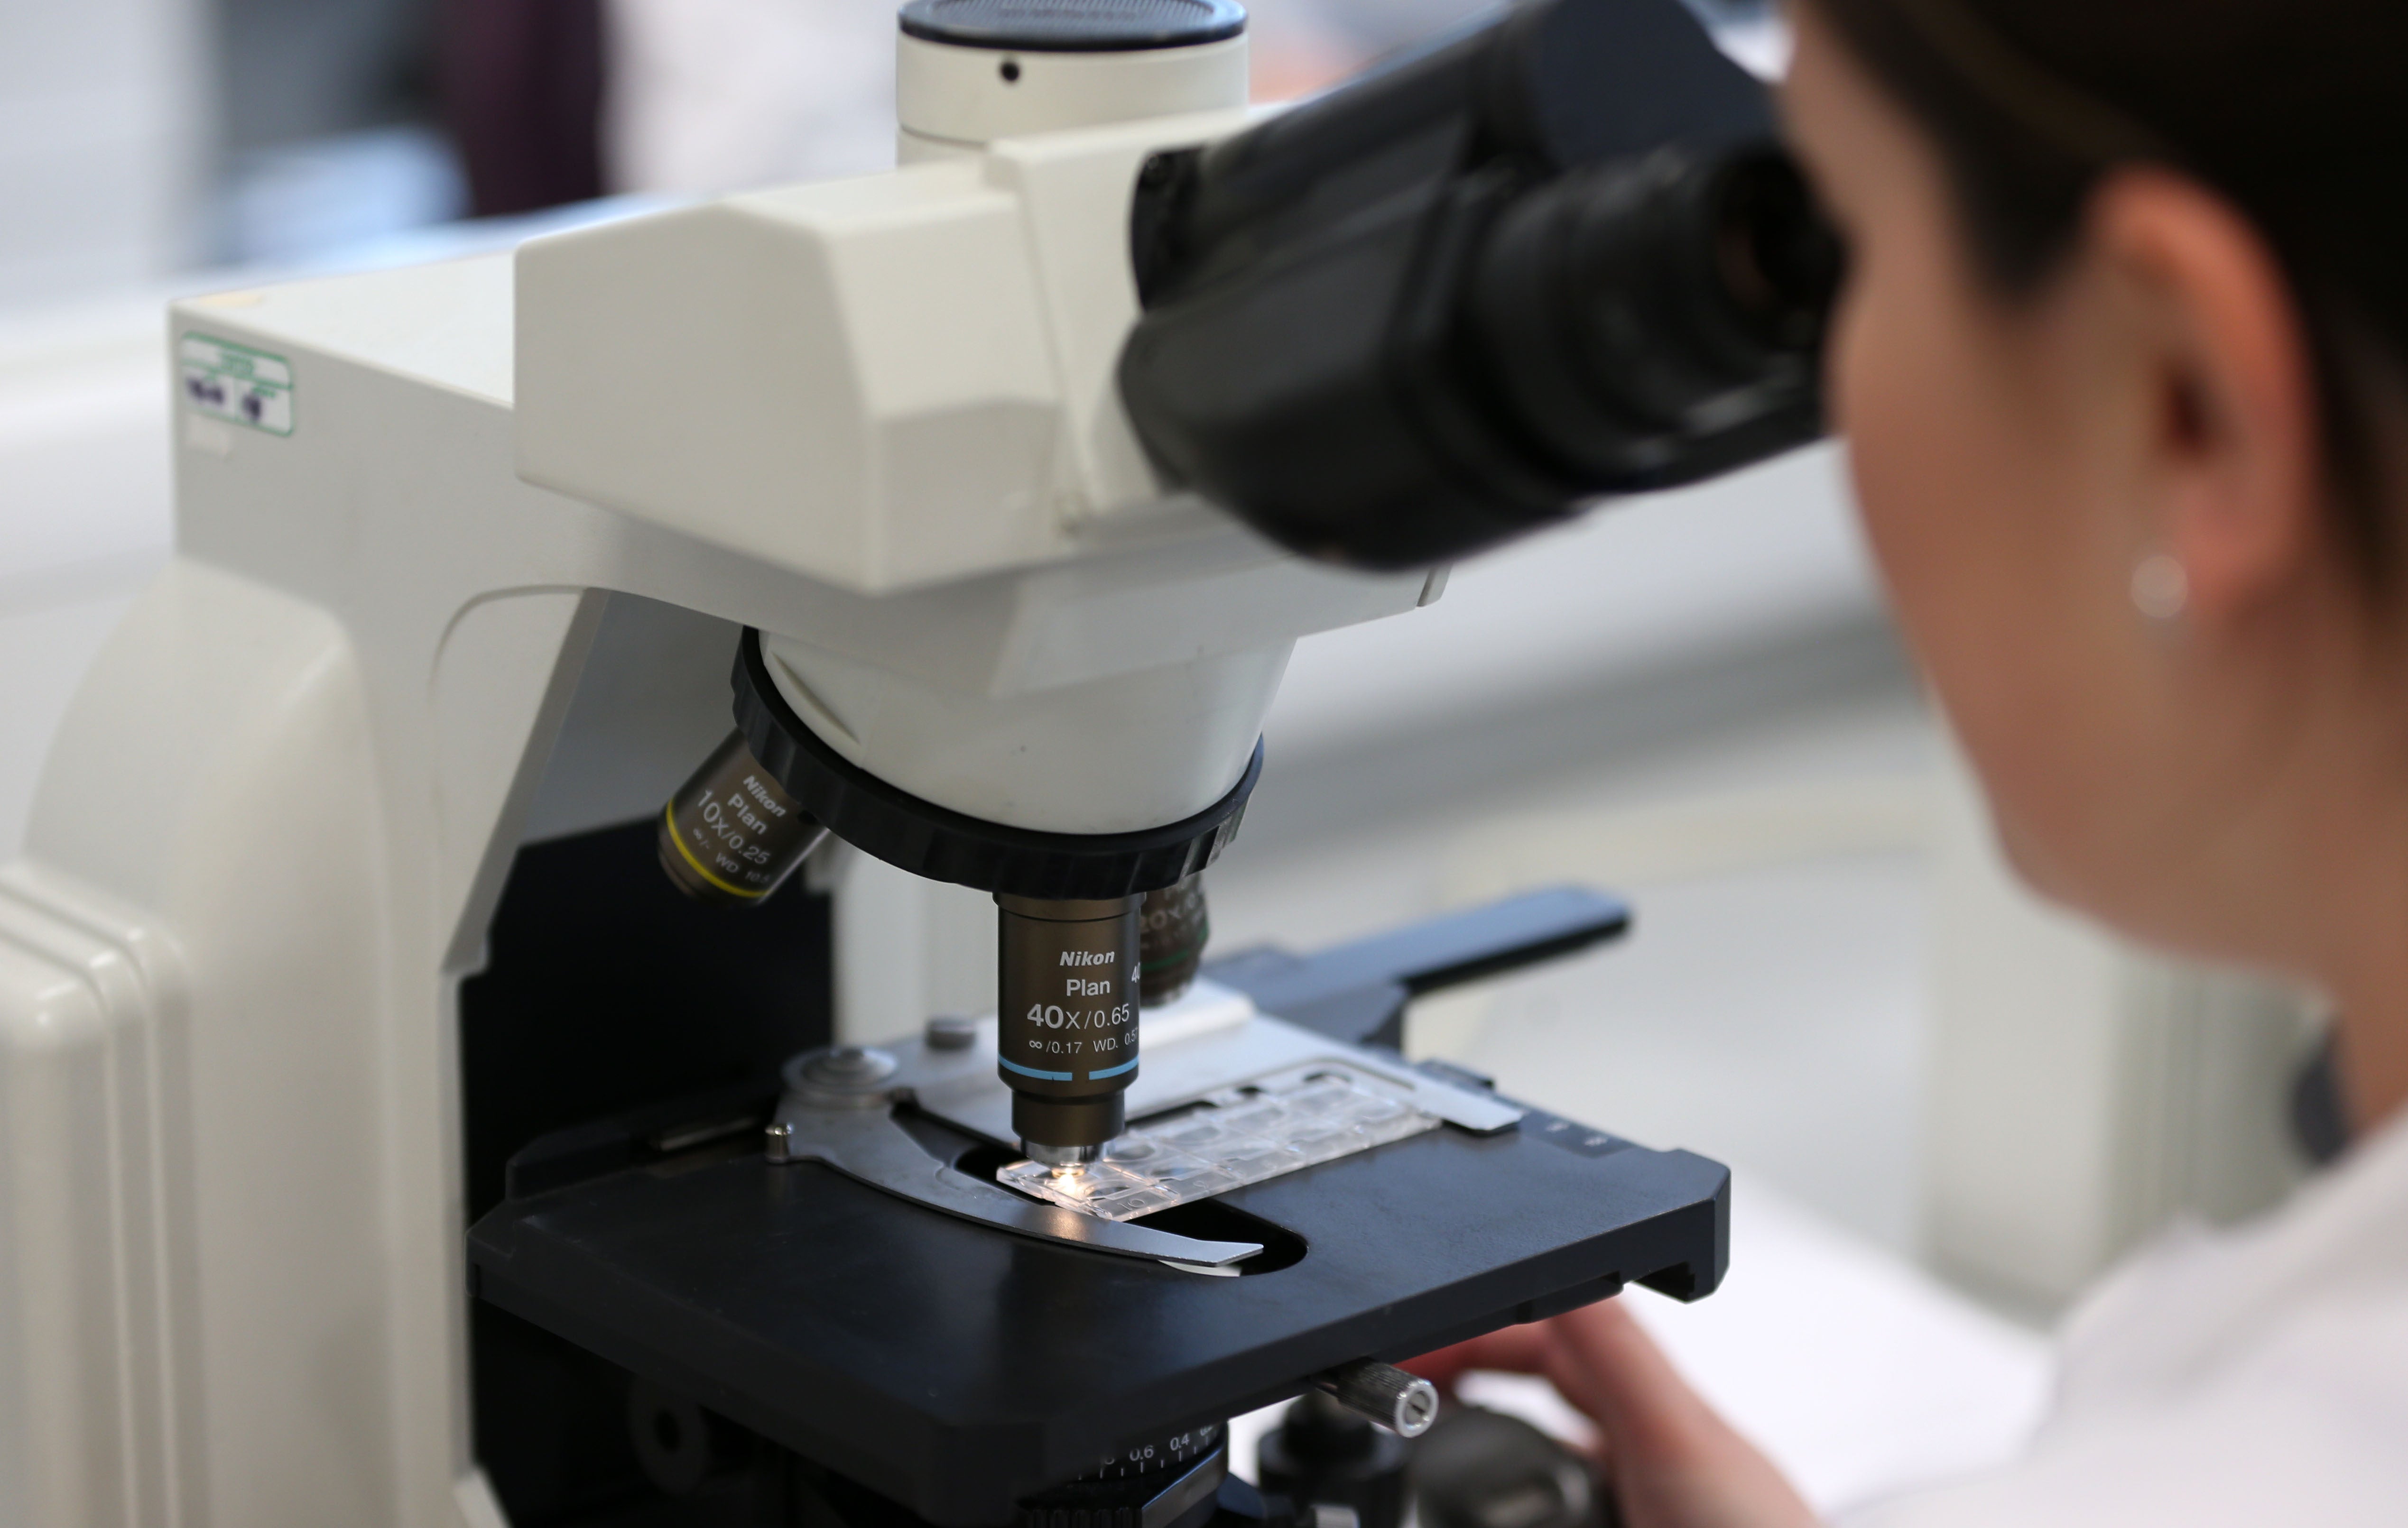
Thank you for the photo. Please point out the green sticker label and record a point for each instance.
(229, 381)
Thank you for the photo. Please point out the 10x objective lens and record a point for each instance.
(1067, 1041)
(732, 834)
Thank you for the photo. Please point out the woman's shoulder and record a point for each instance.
(2248, 1375)
(2306, 1432)
(2199, 1301)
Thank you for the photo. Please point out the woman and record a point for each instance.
(2120, 363)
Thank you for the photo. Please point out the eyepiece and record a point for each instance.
(1555, 257)
(731, 836)
(1644, 324)
(1778, 261)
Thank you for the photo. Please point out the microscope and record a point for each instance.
(419, 1107)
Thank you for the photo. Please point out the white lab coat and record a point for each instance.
(2253, 1376)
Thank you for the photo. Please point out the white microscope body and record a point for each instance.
(462, 553)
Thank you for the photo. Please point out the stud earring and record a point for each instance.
(2160, 587)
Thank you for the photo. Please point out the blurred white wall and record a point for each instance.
(2086, 1093)
(1636, 589)
(716, 95)
(106, 143)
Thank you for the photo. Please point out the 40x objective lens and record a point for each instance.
(732, 834)
(1066, 1045)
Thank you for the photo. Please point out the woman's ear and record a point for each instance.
(2231, 459)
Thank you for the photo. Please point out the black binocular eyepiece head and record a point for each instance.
(1556, 258)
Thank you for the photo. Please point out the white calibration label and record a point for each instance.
(234, 383)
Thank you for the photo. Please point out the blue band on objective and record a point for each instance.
(1041, 1077)
(1129, 1065)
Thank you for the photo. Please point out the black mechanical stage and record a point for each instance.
(957, 1369)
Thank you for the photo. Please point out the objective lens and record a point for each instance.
(731, 836)
(1172, 928)
(1066, 1045)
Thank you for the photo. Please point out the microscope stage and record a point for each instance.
(956, 1368)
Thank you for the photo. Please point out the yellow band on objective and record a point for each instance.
(669, 812)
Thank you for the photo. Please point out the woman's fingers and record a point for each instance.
(1575, 1351)
(1515, 1349)
(1605, 1364)
(1674, 1462)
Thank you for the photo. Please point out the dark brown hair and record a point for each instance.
(2295, 111)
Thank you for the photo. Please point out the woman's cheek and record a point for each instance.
(1880, 400)
(1932, 484)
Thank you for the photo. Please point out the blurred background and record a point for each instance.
(1949, 1108)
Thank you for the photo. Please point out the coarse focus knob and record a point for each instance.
(1323, 1454)
(1483, 1469)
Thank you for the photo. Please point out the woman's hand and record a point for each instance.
(1673, 1463)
